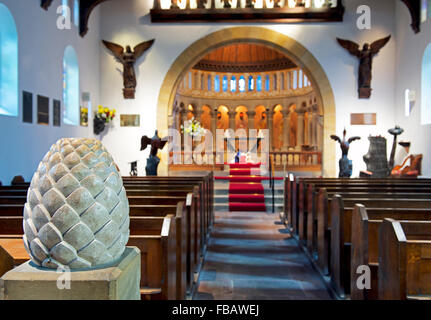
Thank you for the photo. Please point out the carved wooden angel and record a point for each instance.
(128, 58)
(366, 61)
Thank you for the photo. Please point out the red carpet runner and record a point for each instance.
(246, 191)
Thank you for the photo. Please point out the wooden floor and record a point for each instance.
(251, 256)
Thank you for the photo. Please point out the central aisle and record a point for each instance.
(251, 256)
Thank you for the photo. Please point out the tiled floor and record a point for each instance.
(251, 256)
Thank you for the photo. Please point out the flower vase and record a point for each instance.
(98, 125)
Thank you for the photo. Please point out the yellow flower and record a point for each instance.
(114, 111)
(106, 110)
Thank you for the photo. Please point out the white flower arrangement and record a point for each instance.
(193, 128)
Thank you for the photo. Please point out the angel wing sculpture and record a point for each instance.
(128, 58)
(344, 163)
(156, 144)
(365, 56)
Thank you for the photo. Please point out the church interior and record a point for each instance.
(215, 150)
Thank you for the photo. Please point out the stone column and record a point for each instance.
(251, 115)
(270, 114)
(300, 134)
(232, 114)
(286, 129)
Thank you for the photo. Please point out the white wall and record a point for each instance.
(128, 22)
(41, 48)
(410, 50)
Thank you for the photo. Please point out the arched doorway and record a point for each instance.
(299, 54)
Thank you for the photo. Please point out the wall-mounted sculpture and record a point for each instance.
(156, 144)
(345, 164)
(366, 61)
(128, 59)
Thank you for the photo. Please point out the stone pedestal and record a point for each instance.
(118, 281)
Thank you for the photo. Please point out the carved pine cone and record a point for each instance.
(77, 211)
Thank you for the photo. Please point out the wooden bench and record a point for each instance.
(12, 254)
(341, 232)
(152, 235)
(11, 227)
(404, 260)
(206, 205)
(365, 247)
(162, 266)
(315, 229)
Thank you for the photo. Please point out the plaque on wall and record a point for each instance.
(57, 113)
(42, 110)
(130, 120)
(27, 107)
(363, 119)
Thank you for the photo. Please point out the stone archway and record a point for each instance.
(283, 43)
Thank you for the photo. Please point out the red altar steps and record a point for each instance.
(246, 192)
(246, 188)
(244, 179)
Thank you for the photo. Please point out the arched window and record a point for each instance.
(70, 87)
(76, 12)
(8, 63)
(233, 84)
(217, 83)
(426, 87)
(259, 83)
(301, 79)
(190, 80)
(305, 80)
(295, 80)
(250, 83)
(267, 83)
(283, 85)
(275, 82)
(225, 84)
(209, 82)
(241, 84)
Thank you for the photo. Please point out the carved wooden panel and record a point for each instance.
(414, 7)
(45, 4)
(229, 14)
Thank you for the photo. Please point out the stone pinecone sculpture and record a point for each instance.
(77, 212)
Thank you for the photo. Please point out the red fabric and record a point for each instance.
(246, 192)
(246, 178)
(240, 172)
(244, 165)
(246, 188)
(234, 206)
(247, 198)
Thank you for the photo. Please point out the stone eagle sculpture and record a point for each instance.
(128, 58)
(365, 56)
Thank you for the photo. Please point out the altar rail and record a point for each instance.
(283, 161)
(222, 11)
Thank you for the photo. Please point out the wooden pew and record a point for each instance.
(204, 230)
(12, 254)
(404, 260)
(206, 209)
(307, 189)
(12, 227)
(341, 231)
(158, 255)
(365, 247)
